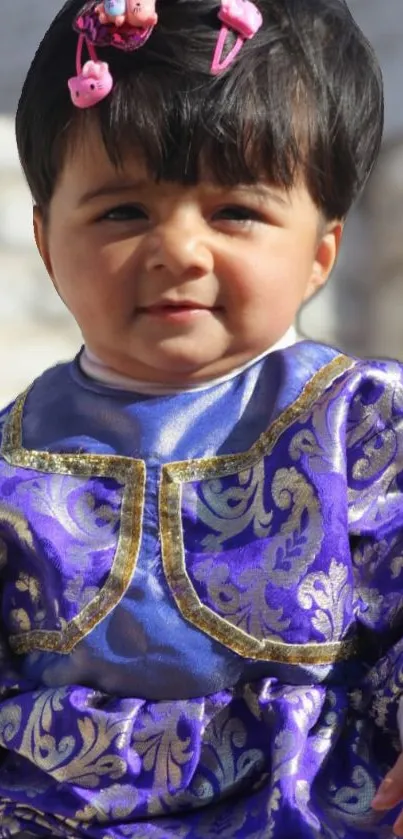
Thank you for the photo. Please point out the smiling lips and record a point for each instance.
(175, 304)
(176, 310)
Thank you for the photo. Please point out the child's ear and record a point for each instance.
(325, 256)
(41, 239)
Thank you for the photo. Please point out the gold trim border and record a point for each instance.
(173, 550)
(132, 474)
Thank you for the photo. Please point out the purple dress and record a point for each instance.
(201, 603)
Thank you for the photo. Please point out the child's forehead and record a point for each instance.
(96, 177)
(87, 158)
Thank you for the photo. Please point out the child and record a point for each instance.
(201, 520)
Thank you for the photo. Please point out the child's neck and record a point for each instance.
(95, 369)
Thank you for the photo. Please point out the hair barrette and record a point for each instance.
(242, 17)
(124, 24)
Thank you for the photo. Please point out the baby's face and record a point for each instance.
(179, 284)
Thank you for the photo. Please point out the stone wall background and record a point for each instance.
(35, 329)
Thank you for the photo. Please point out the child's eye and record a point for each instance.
(125, 212)
(237, 213)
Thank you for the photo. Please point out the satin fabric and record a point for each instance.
(201, 603)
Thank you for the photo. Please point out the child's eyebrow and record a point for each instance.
(112, 188)
(265, 192)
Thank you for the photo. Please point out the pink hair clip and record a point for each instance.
(244, 18)
(140, 14)
(124, 24)
(93, 82)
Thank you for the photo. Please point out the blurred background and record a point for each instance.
(361, 310)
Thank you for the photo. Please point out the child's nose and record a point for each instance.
(180, 251)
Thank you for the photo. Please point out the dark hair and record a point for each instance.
(304, 95)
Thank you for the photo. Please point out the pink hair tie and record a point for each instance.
(124, 24)
(244, 18)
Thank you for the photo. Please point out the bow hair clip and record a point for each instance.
(124, 24)
(242, 17)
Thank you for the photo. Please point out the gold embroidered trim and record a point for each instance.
(131, 473)
(173, 550)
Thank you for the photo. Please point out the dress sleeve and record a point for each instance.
(375, 511)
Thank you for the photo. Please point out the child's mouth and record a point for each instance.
(177, 311)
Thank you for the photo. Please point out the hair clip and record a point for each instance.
(136, 13)
(124, 24)
(244, 18)
(93, 82)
